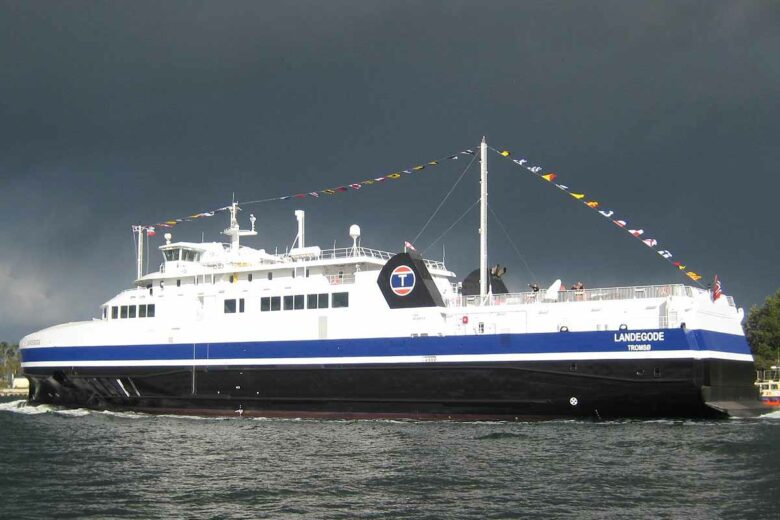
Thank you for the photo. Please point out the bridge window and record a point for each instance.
(288, 303)
(123, 312)
(340, 299)
(276, 303)
(298, 302)
(265, 304)
(131, 314)
(240, 305)
(189, 255)
(142, 311)
(114, 312)
(171, 255)
(150, 310)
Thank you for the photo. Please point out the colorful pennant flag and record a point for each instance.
(609, 214)
(316, 194)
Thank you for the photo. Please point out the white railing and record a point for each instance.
(602, 294)
(340, 279)
(357, 252)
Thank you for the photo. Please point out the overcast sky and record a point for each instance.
(117, 113)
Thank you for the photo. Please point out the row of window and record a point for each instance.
(292, 302)
(131, 311)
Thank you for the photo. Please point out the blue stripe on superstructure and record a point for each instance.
(536, 343)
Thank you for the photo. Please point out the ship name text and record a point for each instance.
(639, 336)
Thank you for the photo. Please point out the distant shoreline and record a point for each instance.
(13, 392)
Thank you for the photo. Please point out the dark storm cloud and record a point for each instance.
(118, 113)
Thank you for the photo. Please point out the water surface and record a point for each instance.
(77, 463)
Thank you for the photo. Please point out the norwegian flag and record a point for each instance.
(408, 245)
(150, 232)
(716, 289)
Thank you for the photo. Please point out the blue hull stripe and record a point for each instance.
(541, 343)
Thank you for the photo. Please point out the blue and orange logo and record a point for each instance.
(402, 280)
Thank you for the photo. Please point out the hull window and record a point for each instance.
(232, 305)
(340, 300)
(317, 301)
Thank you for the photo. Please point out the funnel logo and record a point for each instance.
(402, 280)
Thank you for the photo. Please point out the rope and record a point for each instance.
(512, 242)
(452, 226)
(444, 200)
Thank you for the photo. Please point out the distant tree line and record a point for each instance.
(763, 332)
(10, 363)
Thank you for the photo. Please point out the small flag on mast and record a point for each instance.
(408, 245)
(150, 232)
(716, 289)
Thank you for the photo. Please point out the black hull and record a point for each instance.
(506, 391)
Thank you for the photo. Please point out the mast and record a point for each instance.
(139, 266)
(483, 267)
(235, 231)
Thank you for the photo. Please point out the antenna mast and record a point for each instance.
(483, 267)
(139, 261)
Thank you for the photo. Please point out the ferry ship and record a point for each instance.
(358, 332)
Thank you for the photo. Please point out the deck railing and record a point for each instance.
(356, 252)
(337, 253)
(600, 294)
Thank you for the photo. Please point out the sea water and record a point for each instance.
(59, 463)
